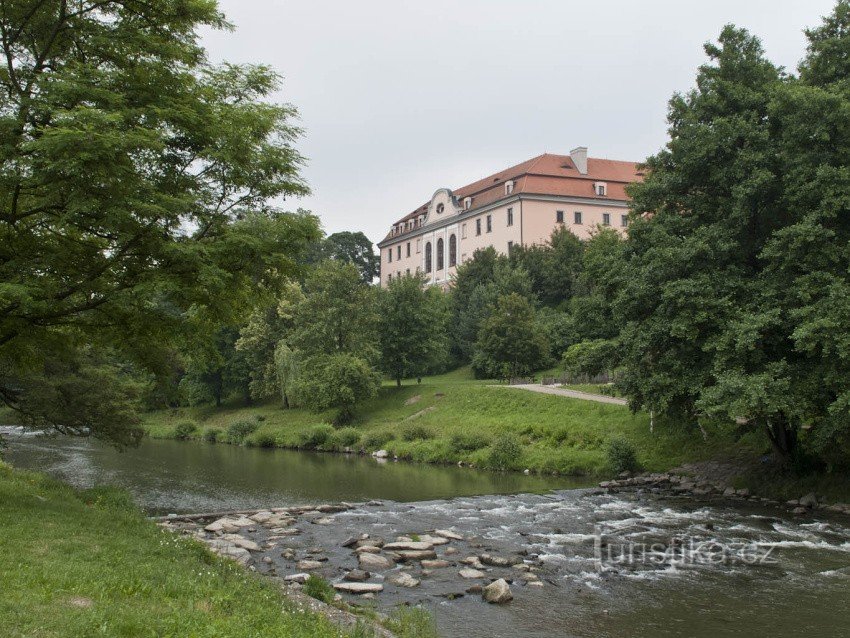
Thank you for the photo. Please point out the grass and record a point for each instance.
(455, 418)
(89, 564)
(606, 389)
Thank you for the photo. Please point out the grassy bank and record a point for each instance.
(89, 564)
(452, 418)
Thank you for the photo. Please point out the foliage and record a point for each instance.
(185, 430)
(345, 438)
(239, 430)
(376, 439)
(553, 267)
(316, 437)
(287, 364)
(504, 454)
(414, 328)
(135, 181)
(339, 381)
(412, 622)
(461, 442)
(415, 432)
(510, 342)
(590, 358)
(211, 435)
(353, 248)
(621, 457)
(319, 588)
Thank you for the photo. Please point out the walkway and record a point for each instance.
(564, 392)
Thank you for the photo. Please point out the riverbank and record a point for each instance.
(455, 419)
(89, 563)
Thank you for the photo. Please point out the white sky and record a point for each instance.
(400, 98)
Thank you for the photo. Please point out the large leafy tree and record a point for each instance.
(735, 295)
(353, 248)
(554, 267)
(126, 164)
(414, 327)
(510, 342)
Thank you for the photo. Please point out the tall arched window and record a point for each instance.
(440, 257)
(452, 251)
(428, 256)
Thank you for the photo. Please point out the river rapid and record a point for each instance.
(618, 564)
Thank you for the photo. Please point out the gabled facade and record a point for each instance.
(521, 205)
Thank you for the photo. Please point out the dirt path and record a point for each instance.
(564, 392)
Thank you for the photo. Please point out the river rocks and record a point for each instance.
(374, 561)
(417, 554)
(800, 511)
(529, 577)
(241, 541)
(447, 533)
(325, 520)
(404, 580)
(498, 592)
(435, 564)
(351, 541)
(359, 588)
(473, 562)
(809, 500)
(470, 573)
(225, 548)
(371, 542)
(409, 545)
(332, 509)
(261, 517)
(368, 549)
(357, 576)
(433, 540)
(494, 561)
(308, 565)
(380, 454)
(280, 532)
(297, 578)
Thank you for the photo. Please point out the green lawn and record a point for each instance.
(89, 564)
(453, 417)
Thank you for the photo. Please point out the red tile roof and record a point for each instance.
(547, 174)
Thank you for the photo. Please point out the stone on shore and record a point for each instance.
(261, 517)
(435, 564)
(228, 549)
(374, 561)
(297, 578)
(380, 454)
(359, 588)
(404, 580)
(494, 561)
(409, 545)
(417, 555)
(368, 549)
(809, 500)
(497, 592)
(308, 565)
(241, 541)
(470, 573)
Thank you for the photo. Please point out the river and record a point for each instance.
(701, 569)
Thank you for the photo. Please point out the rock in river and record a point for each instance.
(359, 588)
(497, 592)
(404, 580)
(308, 565)
(374, 561)
(471, 573)
(411, 545)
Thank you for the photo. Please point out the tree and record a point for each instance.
(414, 330)
(554, 267)
(126, 164)
(510, 342)
(340, 381)
(735, 299)
(352, 248)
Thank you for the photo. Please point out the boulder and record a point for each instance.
(474, 589)
(409, 545)
(308, 565)
(325, 520)
(473, 562)
(494, 561)
(435, 564)
(261, 517)
(297, 578)
(497, 592)
(374, 562)
(359, 588)
(380, 454)
(470, 573)
(417, 554)
(356, 576)
(368, 549)
(241, 541)
(809, 500)
(800, 511)
(225, 548)
(404, 580)
(447, 533)
(434, 540)
(729, 491)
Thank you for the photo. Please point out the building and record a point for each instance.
(521, 205)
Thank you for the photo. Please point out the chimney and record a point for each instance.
(579, 157)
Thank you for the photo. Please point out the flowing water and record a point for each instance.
(612, 564)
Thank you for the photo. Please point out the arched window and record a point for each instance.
(452, 251)
(440, 257)
(428, 256)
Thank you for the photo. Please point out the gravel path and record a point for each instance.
(564, 392)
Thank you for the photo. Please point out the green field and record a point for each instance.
(89, 564)
(452, 417)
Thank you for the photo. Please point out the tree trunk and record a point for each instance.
(783, 437)
(398, 382)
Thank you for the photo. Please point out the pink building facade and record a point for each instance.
(521, 205)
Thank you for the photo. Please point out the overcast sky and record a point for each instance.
(399, 98)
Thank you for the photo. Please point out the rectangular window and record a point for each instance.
(606, 219)
(559, 217)
(463, 231)
(390, 256)
(510, 247)
(398, 252)
(510, 217)
(489, 223)
(478, 226)
(408, 249)
(418, 246)
(577, 217)
(624, 220)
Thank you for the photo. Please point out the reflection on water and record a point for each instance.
(175, 476)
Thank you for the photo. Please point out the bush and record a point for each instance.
(416, 433)
(462, 442)
(211, 435)
(262, 439)
(345, 437)
(505, 453)
(318, 588)
(238, 430)
(621, 457)
(315, 437)
(185, 430)
(377, 439)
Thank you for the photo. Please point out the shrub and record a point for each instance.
(377, 439)
(345, 437)
(185, 430)
(238, 430)
(262, 439)
(315, 437)
(318, 588)
(505, 453)
(416, 433)
(621, 457)
(462, 442)
(211, 435)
